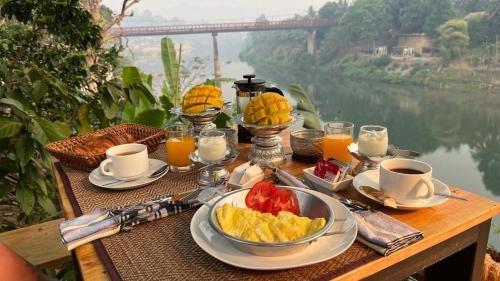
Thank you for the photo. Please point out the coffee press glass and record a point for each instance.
(246, 89)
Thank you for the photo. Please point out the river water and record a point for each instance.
(456, 131)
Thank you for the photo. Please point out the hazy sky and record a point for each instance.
(212, 10)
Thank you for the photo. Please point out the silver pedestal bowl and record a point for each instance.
(200, 120)
(266, 141)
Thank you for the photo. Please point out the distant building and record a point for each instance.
(419, 42)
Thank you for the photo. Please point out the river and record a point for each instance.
(456, 131)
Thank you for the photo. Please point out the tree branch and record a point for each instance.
(126, 5)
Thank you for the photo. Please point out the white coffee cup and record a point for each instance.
(126, 162)
(397, 181)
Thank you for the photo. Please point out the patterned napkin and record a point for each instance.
(383, 233)
(105, 222)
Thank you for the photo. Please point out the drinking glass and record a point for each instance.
(180, 144)
(231, 136)
(338, 135)
(373, 140)
(212, 145)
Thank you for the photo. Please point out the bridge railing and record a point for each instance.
(220, 27)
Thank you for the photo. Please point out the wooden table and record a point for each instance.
(456, 234)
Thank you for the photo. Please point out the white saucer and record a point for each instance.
(96, 178)
(371, 178)
(324, 248)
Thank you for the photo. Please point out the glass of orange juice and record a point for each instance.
(180, 143)
(338, 135)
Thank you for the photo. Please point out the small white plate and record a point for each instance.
(325, 185)
(324, 248)
(371, 178)
(98, 179)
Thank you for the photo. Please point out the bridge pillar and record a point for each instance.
(217, 70)
(311, 41)
(118, 42)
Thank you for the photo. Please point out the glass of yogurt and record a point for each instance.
(212, 146)
(373, 140)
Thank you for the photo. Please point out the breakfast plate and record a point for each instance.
(100, 180)
(324, 248)
(371, 178)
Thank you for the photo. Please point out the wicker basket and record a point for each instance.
(63, 149)
(491, 271)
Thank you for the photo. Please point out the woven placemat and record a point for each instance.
(164, 249)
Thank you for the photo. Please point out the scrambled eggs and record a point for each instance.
(264, 227)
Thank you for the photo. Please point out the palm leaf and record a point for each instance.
(299, 94)
(305, 107)
(171, 68)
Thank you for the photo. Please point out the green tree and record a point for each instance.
(439, 11)
(465, 7)
(56, 80)
(332, 10)
(413, 16)
(453, 38)
(367, 20)
(480, 30)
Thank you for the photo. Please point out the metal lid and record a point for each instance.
(249, 84)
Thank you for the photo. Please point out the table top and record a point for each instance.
(437, 223)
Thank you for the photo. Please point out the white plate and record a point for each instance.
(371, 178)
(326, 185)
(98, 179)
(324, 248)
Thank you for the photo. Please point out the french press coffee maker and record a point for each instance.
(247, 89)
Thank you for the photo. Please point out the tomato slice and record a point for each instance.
(284, 200)
(259, 196)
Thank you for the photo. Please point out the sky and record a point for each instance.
(222, 10)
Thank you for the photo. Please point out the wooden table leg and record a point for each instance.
(466, 264)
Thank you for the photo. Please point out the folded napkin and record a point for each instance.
(105, 222)
(383, 233)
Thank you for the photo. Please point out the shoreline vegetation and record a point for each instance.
(418, 72)
(463, 51)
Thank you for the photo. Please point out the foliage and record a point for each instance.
(453, 38)
(382, 61)
(171, 68)
(367, 20)
(412, 16)
(439, 12)
(465, 7)
(483, 30)
(332, 10)
(47, 69)
(305, 107)
(479, 30)
(141, 106)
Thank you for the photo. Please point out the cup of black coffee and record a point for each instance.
(408, 181)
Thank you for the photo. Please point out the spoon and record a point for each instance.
(451, 196)
(404, 153)
(154, 174)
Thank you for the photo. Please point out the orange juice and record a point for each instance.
(178, 150)
(335, 146)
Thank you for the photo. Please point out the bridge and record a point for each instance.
(214, 28)
(221, 27)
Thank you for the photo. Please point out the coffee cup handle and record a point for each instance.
(430, 187)
(103, 166)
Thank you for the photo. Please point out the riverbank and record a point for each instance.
(427, 71)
